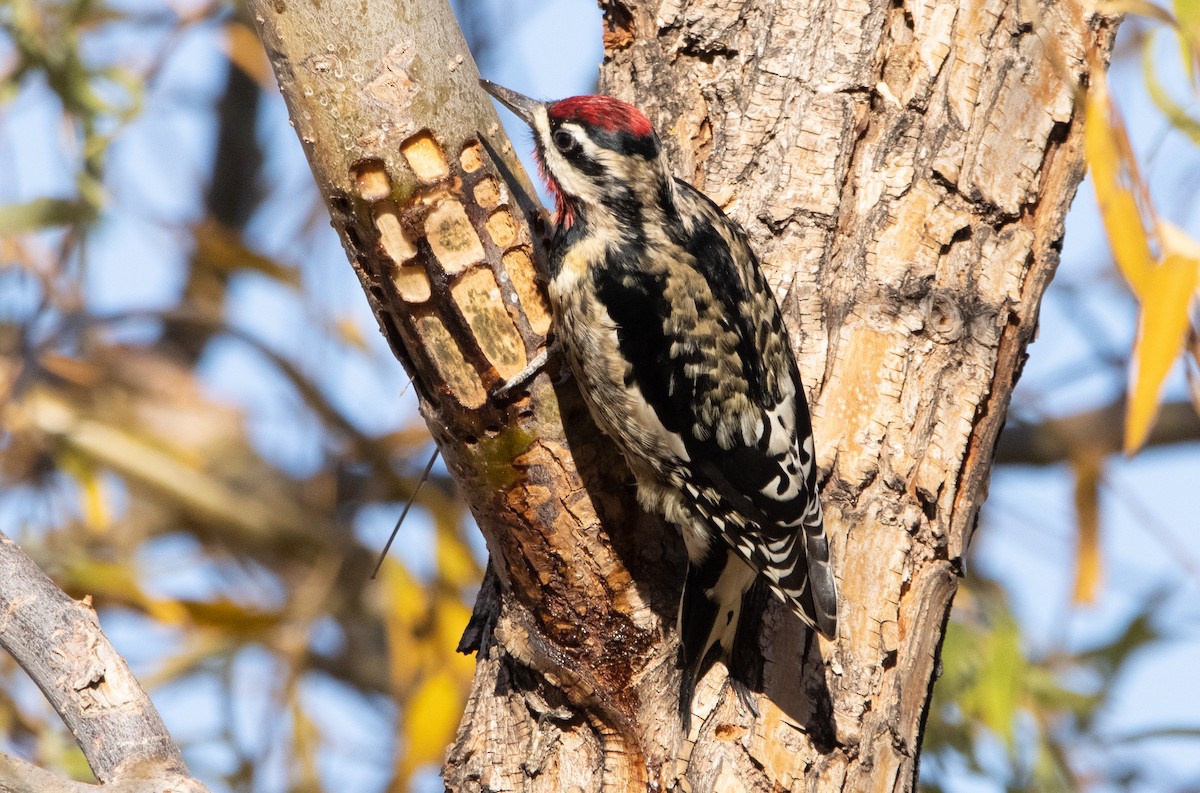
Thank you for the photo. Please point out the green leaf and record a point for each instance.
(1187, 12)
(43, 213)
(1174, 112)
(1108, 658)
(1143, 8)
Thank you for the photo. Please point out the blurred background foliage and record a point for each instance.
(201, 428)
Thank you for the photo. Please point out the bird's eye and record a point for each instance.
(563, 140)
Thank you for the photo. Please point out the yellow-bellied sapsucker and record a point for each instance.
(680, 351)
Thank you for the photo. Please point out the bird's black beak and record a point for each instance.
(520, 104)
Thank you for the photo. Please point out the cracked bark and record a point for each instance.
(903, 170)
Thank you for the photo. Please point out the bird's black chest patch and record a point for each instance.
(637, 304)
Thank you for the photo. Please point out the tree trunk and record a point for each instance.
(903, 170)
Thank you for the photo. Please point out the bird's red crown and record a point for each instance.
(601, 111)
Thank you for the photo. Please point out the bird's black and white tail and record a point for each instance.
(807, 585)
(715, 591)
(709, 612)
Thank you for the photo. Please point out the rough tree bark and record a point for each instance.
(903, 168)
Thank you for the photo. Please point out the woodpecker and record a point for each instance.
(679, 349)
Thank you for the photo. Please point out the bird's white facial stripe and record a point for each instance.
(570, 180)
(618, 168)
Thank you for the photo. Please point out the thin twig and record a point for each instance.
(399, 521)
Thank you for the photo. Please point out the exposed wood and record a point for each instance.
(58, 642)
(903, 169)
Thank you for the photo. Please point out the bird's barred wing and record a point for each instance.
(727, 385)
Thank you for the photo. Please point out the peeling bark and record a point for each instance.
(903, 170)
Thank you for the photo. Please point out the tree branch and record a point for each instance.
(1057, 440)
(21, 776)
(58, 642)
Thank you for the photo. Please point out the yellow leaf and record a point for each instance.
(97, 517)
(455, 563)
(116, 579)
(166, 611)
(306, 736)
(451, 621)
(430, 720)
(1118, 186)
(407, 600)
(116, 582)
(96, 512)
(231, 618)
(1162, 328)
(406, 615)
(350, 333)
(1087, 513)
